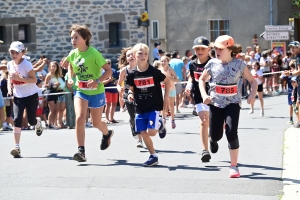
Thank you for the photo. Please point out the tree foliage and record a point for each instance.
(296, 4)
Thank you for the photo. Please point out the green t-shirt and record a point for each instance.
(87, 66)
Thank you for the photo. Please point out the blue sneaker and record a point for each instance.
(162, 131)
(151, 161)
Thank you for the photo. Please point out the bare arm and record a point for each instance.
(121, 79)
(202, 84)
(31, 79)
(167, 87)
(108, 72)
(47, 79)
(173, 76)
(252, 81)
(184, 73)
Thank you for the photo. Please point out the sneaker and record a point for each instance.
(172, 123)
(151, 161)
(88, 125)
(251, 111)
(9, 127)
(234, 172)
(290, 122)
(106, 139)
(191, 105)
(214, 147)
(6, 128)
(80, 157)
(262, 113)
(139, 144)
(205, 156)
(39, 130)
(195, 113)
(177, 111)
(16, 152)
(162, 131)
(51, 126)
(297, 125)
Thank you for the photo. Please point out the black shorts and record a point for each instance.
(260, 88)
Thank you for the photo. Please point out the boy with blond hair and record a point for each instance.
(145, 91)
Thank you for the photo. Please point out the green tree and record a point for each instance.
(296, 4)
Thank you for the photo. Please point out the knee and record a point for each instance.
(80, 119)
(216, 137)
(204, 123)
(234, 144)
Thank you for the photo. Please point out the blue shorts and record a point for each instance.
(95, 101)
(290, 98)
(146, 121)
(1, 100)
(172, 93)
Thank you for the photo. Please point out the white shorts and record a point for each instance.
(202, 107)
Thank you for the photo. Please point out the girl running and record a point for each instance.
(224, 96)
(86, 63)
(25, 93)
(171, 75)
(202, 48)
(258, 76)
(128, 60)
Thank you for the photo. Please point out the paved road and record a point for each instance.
(47, 170)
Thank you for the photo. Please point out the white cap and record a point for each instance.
(17, 46)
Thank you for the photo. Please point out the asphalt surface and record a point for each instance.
(47, 171)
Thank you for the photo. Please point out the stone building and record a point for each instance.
(176, 23)
(42, 25)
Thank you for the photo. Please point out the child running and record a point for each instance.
(171, 75)
(225, 98)
(258, 76)
(86, 63)
(145, 90)
(25, 92)
(128, 60)
(202, 49)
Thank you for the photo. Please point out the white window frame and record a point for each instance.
(209, 30)
(152, 29)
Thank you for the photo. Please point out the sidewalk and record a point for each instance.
(291, 164)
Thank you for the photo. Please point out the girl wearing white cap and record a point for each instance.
(225, 98)
(25, 92)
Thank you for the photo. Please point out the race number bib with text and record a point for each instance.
(226, 90)
(197, 75)
(83, 85)
(144, 82)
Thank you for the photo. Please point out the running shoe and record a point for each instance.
(39, 129)
(172, 123)
(53, 127)
(262, 113)
(80, 157)
(139, 144)
(251, 111)
(191, 105)
(195, 112)
(162, 130)
(290, 122)
(151, 161)
(106, 140)
(205, 156)
(214, 147)
(88, 125)
(234, 172)
(16, 152)
(6, 128)
(177, 111)
(297, 125)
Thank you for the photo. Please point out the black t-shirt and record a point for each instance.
(297, 65)
(147, 90)
(195, 71)
(125, 95)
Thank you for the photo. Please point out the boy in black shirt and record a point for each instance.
(145, 90)
(202, 49)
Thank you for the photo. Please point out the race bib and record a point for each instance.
(17, 82)
(226, 90)
(144, 82)
(197, 75)
(83, 85)
(255, 76)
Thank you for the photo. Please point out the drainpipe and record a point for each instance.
(271, 12)
(147, 29)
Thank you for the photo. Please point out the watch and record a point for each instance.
(98, 81)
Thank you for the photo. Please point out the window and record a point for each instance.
(217, 28)
(23, 33)
(114, 34)
(2, 33)
(155, 29)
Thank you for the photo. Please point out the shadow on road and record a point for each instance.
(168, 151)
(170, 168)
(54, 155)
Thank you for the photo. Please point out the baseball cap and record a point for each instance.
(201, 42)
(294, 78)
(156, 44)
(294, 44)
(224, 41)
(160, 51)
(17, 46)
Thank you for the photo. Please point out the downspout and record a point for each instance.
(147, 29)
(271, 12)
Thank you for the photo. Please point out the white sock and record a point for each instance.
(17, 145)
(155, 155)
(4, 124)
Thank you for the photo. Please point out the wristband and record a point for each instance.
(98, 81)
(130, 93)
(189, 85)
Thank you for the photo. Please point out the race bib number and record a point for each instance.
(17, 82)
(226, 90)
(255, 76)
(83, 85)
(144, 82)
(197, 75)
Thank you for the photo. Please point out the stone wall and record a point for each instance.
(53, 19)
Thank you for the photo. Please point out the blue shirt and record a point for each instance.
(155, 53)
(177, 65)
(115, 76)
